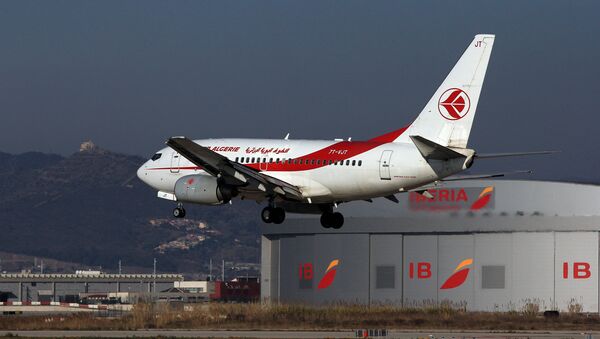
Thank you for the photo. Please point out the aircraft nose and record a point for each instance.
(142, 173)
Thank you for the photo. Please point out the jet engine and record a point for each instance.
(201, 189)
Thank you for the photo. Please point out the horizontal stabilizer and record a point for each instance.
(432, 151)
(484, 176)
(515, 154)
(424, 193)
(393, 198)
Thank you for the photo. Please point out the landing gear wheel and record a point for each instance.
(278, 215)
(326, 220)
(337, 220)
(274, 215)
(267, 215)
(179, 212)
(333, 220)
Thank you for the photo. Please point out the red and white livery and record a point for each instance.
(314, 176)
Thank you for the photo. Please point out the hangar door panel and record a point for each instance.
(296, 268)
(386, 269)
(269, 268)
(420, 280)
(493, 272)
(341, 268)
(455, 258)
(576, 268)
(533, 270)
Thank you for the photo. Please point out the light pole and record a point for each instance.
(154, 282)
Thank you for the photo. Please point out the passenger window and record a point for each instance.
(253, 160)
(318, 161)
(353, 162)
(300, 162)
(277, 161)
(347, 162)
(295, 161)
(330, 162)
(156, 156)
(360, 163)
(312, 162)
(236, 159)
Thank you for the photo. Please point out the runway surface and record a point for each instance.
(301, 334)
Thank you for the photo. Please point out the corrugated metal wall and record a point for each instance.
(505, 271)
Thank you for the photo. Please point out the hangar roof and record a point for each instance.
(467, 206)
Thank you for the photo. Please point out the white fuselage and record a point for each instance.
(324, 171)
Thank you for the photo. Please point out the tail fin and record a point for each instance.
(448, 116)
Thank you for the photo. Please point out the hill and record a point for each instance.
(91, 208)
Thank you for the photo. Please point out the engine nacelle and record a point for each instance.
(468, 162)
(201, 189)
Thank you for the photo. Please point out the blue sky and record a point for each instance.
(130, 74)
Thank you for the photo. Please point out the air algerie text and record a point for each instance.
(266, 150)
(223, 148)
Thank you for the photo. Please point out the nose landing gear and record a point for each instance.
(179, 211)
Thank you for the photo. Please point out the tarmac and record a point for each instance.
(302, 334)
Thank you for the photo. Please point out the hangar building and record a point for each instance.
(484, 245)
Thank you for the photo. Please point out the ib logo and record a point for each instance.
(422, 270)
(459, 276)
(306, 274)
(454, 104)
(483, 199)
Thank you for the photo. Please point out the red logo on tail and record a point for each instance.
(454, 104)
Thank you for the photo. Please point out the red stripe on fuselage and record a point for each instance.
(178, 168)
(337, 152)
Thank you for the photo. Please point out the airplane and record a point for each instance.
(315, 176)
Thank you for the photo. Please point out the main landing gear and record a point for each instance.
(274, 215)
(179, 211)
(329, 218)
(332, 219)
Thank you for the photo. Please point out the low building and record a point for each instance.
(67, 287)
(481, 245)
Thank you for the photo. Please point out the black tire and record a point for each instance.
(267, 215)
(179, 212)
(326, 220)
(337, 220)
(278, 215)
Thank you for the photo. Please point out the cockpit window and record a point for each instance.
(156, 156)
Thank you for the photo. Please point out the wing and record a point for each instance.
(484, 176)
(233, 173)
(423, 189)
(516, 154)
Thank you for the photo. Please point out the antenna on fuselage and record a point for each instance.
(287, 137)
